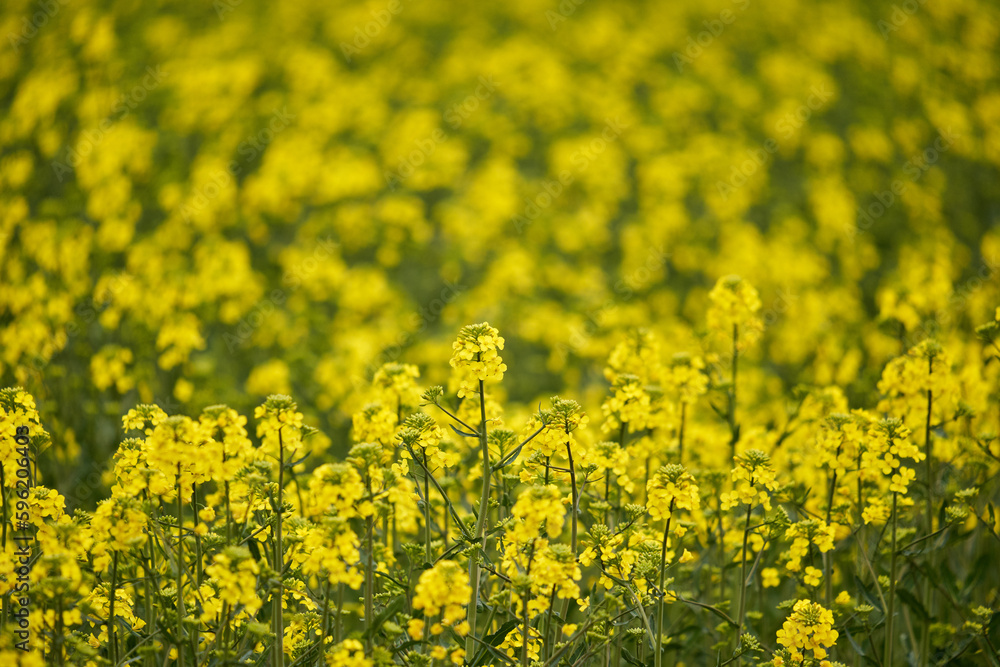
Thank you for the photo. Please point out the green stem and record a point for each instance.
(925, 639)
(148, 601)
(369, 571)
(732, 392)
(3, 544)
(338, 626)
(325, 624)
(658, 656)
(279, 622)
(481, 524)
(180, 571)
(57, 647)
(890, 638)
(827, 565)
(197, 562)
(427, 510)
(743, 581)
(112, 644)
(575, 511)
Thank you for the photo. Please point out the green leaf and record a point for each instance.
(857, 647)
(491, 641)
(390, 609)
(871, 599)
(463, 433)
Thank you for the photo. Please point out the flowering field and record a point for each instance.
(561, 333)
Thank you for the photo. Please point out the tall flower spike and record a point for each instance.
(671, 484)
(734, 302)
(476, 354)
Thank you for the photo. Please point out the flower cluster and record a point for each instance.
(734, 305)
(476, 356)
(443, 589)
(753, 480)
(808, 628)
(671, 488)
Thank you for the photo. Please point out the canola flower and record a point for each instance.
(808, 628)
(307, 199)
(209, 531)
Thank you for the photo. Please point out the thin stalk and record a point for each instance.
(890, 638)
(3, 505)
(338, 627)
(3, 545)
(859, 516)
(827, 567)
(325, 624)
(658, 656)
(57, 647)
(524, 609)
(722, 553)
(524, 643)
(732, 392)
(925, 639)
(148, 601)
(112, 644)
(229, 510)
(222, 633)
(197, 562)
(369, 571)
(180, 571)
(575, 511)
(279, 621)
(575, 496)
(427, 510)
(481, 524)
(547, 647)
(743, 581)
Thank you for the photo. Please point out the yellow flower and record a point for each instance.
(476, 356)
(671, 488)
(809, 627)
(443, 589)
(769, 577)
(234, 573)
(754, 477)
(348, 653)
(537, 509)
(734, 304)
